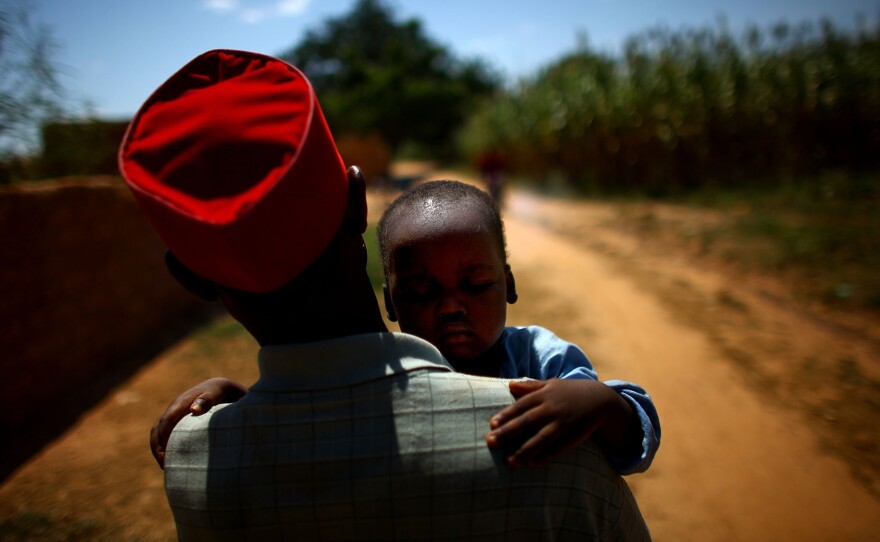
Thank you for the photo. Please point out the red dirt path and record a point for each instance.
(738, 461)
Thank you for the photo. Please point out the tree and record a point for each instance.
(376, 74)
(30, 93)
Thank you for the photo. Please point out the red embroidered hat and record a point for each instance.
(232, 162)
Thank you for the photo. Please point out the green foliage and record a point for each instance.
(826, 240)
(678, 110)
(376, 74)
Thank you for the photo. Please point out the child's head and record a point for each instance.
(446, 274)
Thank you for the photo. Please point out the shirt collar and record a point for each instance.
(344, 361)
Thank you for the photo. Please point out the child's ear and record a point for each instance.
(511, 285)
(389, 308)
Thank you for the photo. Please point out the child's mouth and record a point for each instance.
(457, 338)
(455, 333)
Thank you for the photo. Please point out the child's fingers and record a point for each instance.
(515, 428)
(550, 449)
(175, 412)
(216, 391)
(157, 449)
(514, 410)
(519, 388)
(536, 450)
(196, 400)
(207, 400)
(201, 405)
(161, 430)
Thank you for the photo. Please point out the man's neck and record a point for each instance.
(329, 327)
(350, 309)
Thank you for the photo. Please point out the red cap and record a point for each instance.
(234, 165)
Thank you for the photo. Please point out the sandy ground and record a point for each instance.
(733, 465)
(738, 462)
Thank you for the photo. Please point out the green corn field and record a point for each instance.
(680, 110)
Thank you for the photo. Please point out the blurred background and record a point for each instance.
(721, 158)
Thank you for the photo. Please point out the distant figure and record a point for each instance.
(491, 165)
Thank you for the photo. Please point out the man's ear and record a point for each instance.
(389, 307)
(193, 283)
(511, 285)
(356, 213)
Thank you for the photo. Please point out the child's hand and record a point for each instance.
(196, 401)
(550, 417)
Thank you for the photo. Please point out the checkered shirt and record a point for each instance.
(373, 437)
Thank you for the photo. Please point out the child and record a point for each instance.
(447, 281)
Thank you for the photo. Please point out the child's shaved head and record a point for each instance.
(446, 274)
(431, 200)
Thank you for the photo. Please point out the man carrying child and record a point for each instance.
(351, 432)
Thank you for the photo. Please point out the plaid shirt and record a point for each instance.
(374, 437)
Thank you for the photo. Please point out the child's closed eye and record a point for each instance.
(418, 291)
(479, 287)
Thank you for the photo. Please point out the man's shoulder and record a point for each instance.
(190, 433)
(458, 389)
(420, 433)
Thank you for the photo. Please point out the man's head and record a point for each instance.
(234, 165)
(232, 162)
(446, 274)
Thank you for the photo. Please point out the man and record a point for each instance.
(351, 432)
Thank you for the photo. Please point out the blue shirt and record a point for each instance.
(535, 352)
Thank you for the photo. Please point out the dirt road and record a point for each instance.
(738, 461)
(733, 465)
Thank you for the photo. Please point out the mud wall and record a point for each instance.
(85, 294)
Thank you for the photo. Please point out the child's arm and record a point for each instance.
(196, 401)
(550, 417)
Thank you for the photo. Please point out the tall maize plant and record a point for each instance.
(679, 110)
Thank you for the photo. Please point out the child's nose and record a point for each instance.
(450, 304)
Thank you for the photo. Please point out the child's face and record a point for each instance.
(447, 282)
